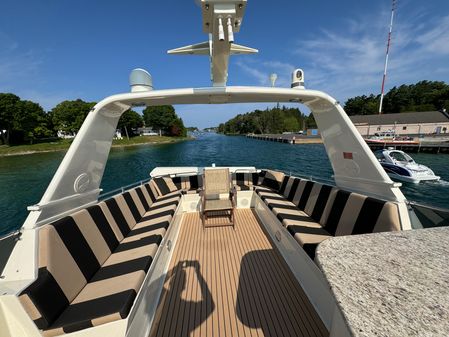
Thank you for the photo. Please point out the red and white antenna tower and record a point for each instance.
(393, 7)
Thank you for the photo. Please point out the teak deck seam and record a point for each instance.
(232, 282)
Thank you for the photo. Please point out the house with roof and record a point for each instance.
(406, 123)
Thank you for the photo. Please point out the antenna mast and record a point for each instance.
(393, 7)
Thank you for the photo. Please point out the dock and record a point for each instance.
(288, 138)
(442, 147)
(422, 147)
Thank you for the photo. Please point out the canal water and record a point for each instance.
(23, 179)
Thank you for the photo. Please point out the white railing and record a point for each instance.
(122, 189)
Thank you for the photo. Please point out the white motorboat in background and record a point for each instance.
(390, 137)
(399, 165)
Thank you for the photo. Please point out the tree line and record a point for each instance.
(24, 121)
(274, 120)
(421, 96)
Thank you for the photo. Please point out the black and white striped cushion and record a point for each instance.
(92, 263)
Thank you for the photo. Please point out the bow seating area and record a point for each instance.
(92, 263)
(311, 211)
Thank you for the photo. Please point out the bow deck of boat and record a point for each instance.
(230, 282)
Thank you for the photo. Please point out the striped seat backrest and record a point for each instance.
(144, 197)
(249, 179)
(124, 211)
(163, 185)
(289, 187)
(317, 200)
(135, 204)
(191, 183)
(178, 182)
(271, 179)
(151, 191)
(301, 196)
(71, 250)
(353, 213)
(110, 213)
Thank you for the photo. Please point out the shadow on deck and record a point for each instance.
(226, 282)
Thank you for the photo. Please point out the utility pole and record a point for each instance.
(393, 7)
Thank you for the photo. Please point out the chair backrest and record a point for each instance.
(216, 181)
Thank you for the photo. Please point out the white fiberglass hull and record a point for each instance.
(413, 179)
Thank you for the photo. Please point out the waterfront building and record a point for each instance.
(149, 132)
(407, 123)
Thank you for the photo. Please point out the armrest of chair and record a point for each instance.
(202, 198)
(233, 196)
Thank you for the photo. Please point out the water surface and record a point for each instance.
(23, 179)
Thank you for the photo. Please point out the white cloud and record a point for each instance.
(350, 61)
(436, 39)
(261, 71)
(260, 76)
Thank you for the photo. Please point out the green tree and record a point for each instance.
(421, 96)
(129, 122)
(310, 122)
(291, 124)
(159, 117)
(68, 116)
(164, 118)
(9, 108)
(398, 100)
(362, 105)
(275, 120)
(177, 129)
(32, 122)
(21, 120)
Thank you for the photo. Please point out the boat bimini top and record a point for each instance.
(76, 183)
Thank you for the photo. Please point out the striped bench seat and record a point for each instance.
(242, 181)
(93, 262)
(313, 212)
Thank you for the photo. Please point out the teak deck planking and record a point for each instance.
(231, 282)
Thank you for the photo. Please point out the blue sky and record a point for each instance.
(57, 49)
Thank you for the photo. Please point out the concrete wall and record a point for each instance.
(410, 129)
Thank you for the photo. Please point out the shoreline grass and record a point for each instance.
(64, 144)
